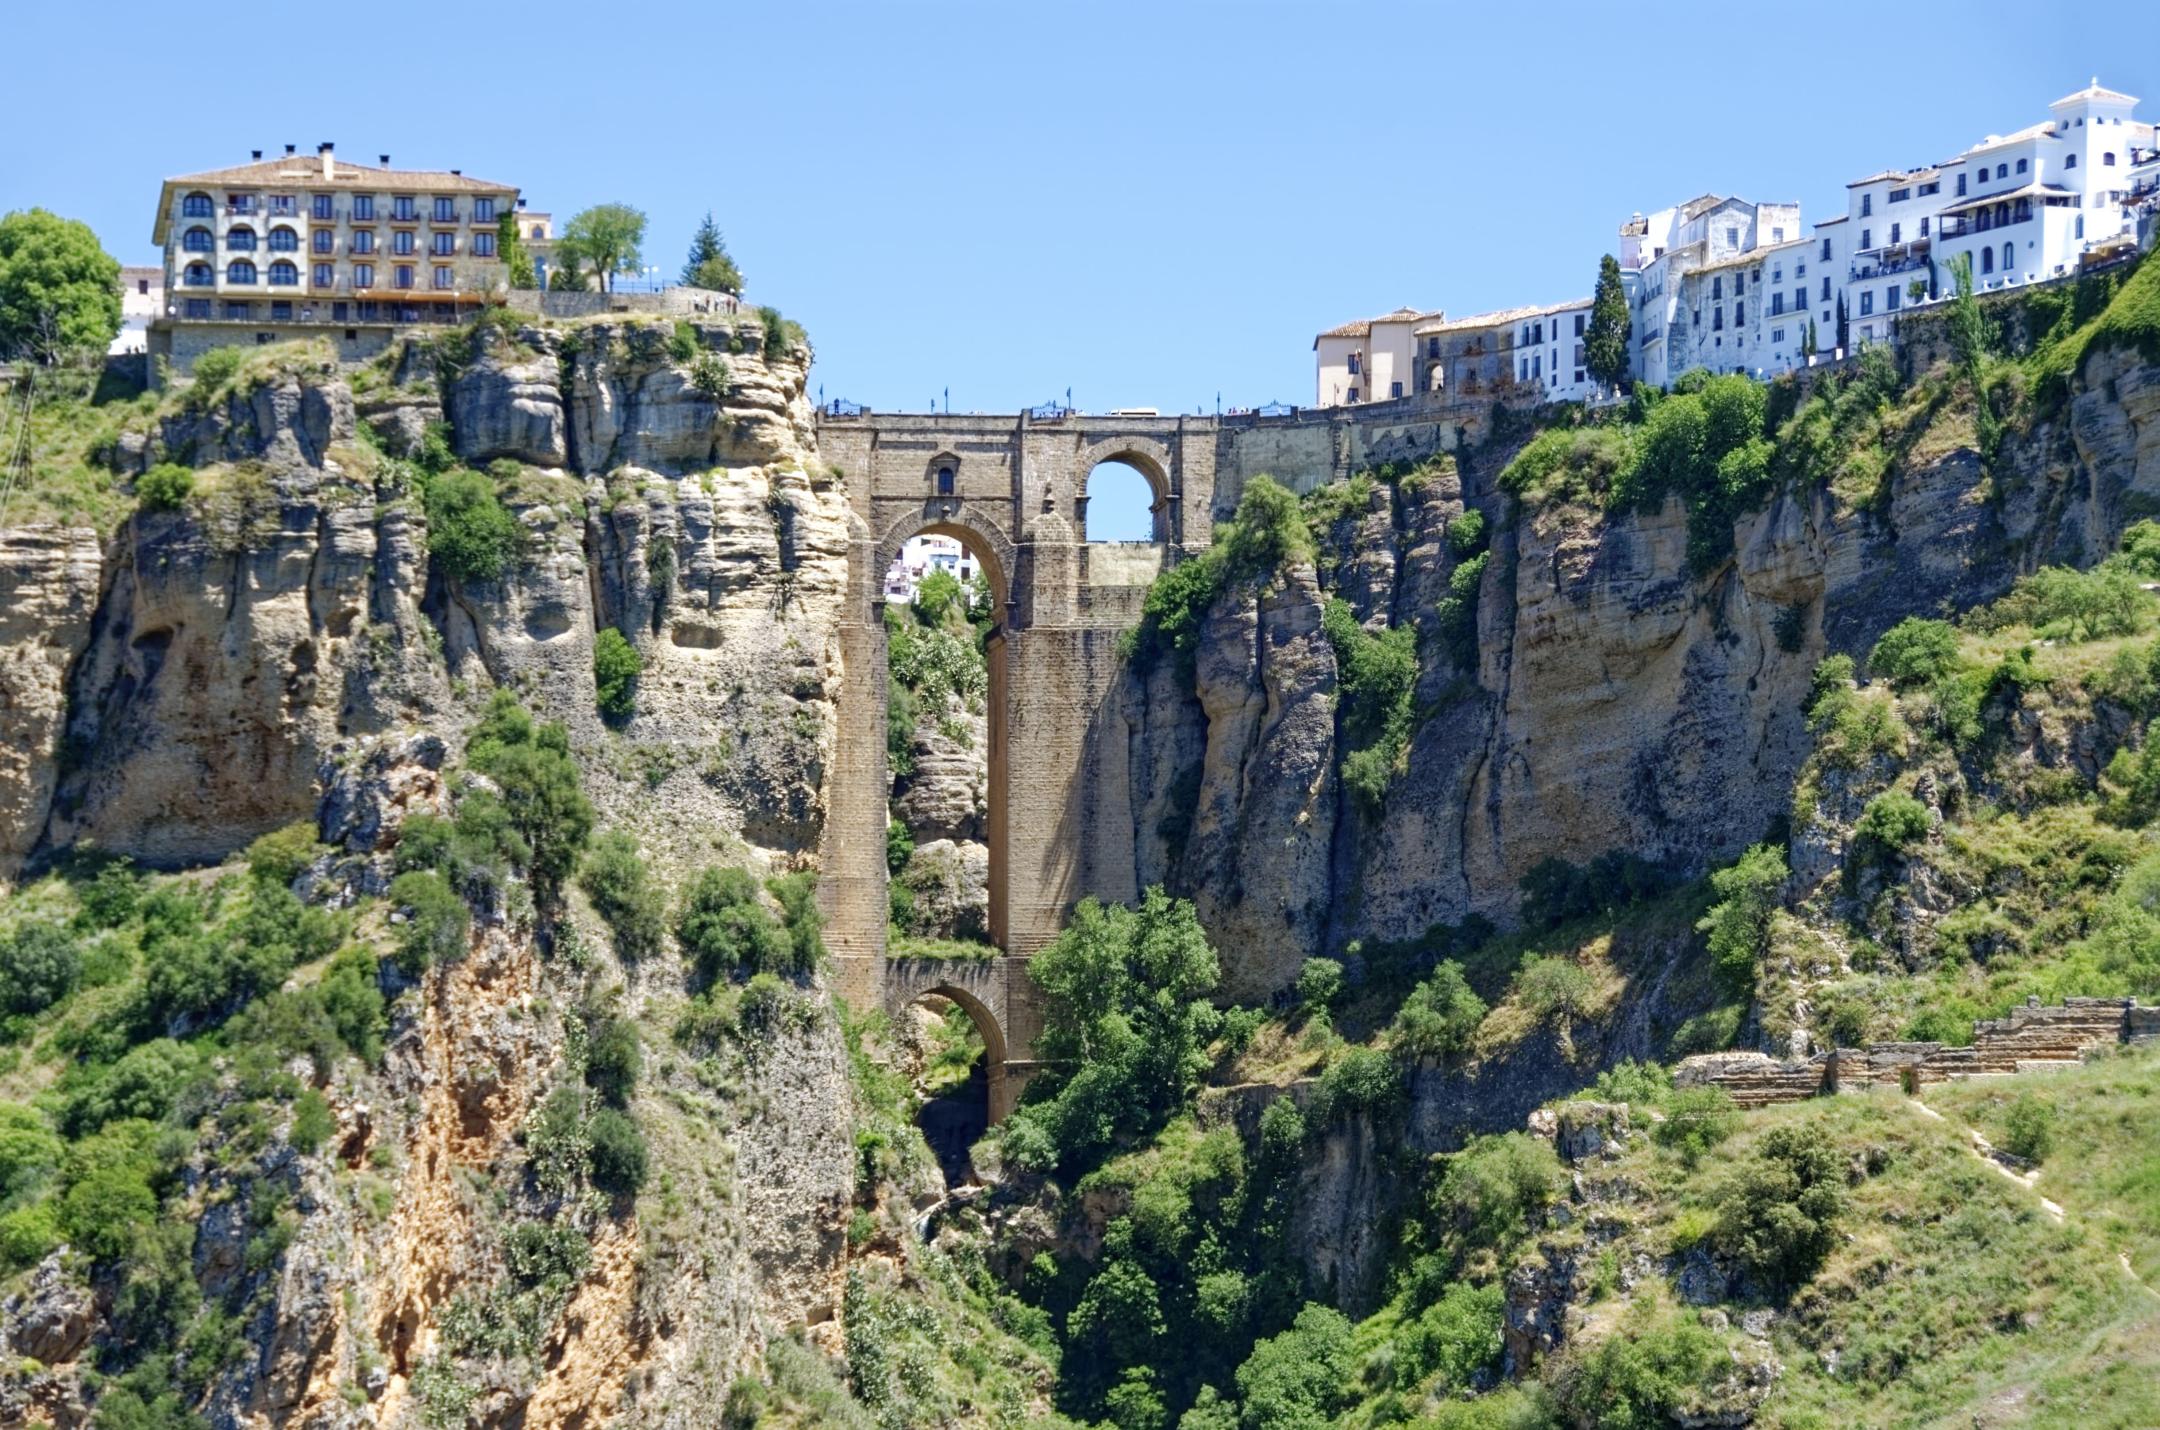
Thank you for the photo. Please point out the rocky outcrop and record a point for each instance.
(949, 888)
(509, 403)
(49, 579)
(947, 795)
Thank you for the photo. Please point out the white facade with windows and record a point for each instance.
(1723, 283)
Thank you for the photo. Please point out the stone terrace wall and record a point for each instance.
(2031, 1037)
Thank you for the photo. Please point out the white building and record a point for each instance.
(1722, 283)
(142, 297)
(921, 556)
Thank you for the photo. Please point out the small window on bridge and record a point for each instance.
(944, 481)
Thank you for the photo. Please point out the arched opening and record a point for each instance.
(944, 612)
(945, 1046)
(1122, 500)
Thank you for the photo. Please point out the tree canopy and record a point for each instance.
(59, 288)
(606, 238)
(1605, 347)
(709, 264)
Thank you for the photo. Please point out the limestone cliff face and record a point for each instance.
(1618, 700)
(49, 580)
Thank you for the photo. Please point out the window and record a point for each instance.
(196, 206)
(483, 211)
(1777, 234)
(1867, 239)
(281, 310)
(1961, 186)
(1353, 394)
(1537, 333)
(1923, 228)
(142, 286)
(197, 276)
(1777, 304)
(240, 240)
(368, 312)
(1931, 188)
(2024, 210)
(403, 276)
(1867, 301)
(363, 240)
(1867, 206)
(445, 210)
(284, 274)
(1717, 287)
(1354, 369)
(1799, 298)
(240, 271)
(401, 240)
(198, 307)
(2107, 159)
(284, 240)
(1777, 335)
(1578, 325)
(1898, 196)
(363, 208)
(240, 203)
(363, 275)
(1732, 238)
(338, 313)
(1987, 260)
(322, 240)
(2009, 257)
(443, 278)
(1717, 319)
(442, 245)
(2021, 166)
(2080, 226)
(538, 232)
(483, 245)
(1896, 231)
(323, 207)
(241, 311)
(198, 240)
(1826, 250)
(1890, 297)
(1739, 315)
(325, 275)
(281, 205)
(401, 208)
(1739, 284)
(1826, 288)
(1394, 389)
(945, 474)
(1432, 347)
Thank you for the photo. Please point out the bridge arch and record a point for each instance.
(1151, 459)
(950, 517)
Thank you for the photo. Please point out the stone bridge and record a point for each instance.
(1014, 491)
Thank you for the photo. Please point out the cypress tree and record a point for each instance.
(1844, 336)
(1605, 347)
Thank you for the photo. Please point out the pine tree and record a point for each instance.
(709, 265)
(1605, 347)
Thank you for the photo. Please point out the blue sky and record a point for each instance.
(1149, 204)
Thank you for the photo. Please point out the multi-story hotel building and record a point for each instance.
(295, 246)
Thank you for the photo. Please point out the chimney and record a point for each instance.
(385, 160)
(328, 151)
(256, 152)
(521, 203)
(460, 173)
(291, 148)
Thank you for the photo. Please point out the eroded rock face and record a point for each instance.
(947, 796)
(508, 402)
(950, 885)
(632, 404)
(49, 579)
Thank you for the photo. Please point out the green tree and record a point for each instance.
(607, 237)
(1778, 1214)
(1605, 346)
(616, 665)
(1844, 328)
(1299, 1379)
(471, 534)
(1125, 1026)
(59, 288)
(540, 799)
(709, 265)
(1969, 339)
(1739, 923)
(510, 247)
(1440, 1016)
(724, 928)
(39, 965)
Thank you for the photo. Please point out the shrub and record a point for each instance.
(1357, 1080)
(109, 899)
(1440, 1016)
(471, 534)
(1551, 986)
(619, 1161)
(1644, 1373)
(1466, 534)
(1494, 1192)
(40, 964)
(164, 487)
(312, 1122)
(1319, 984)
(540, 799)
(1377, 677)
(1777, 1216)
(1914, 651)
(623, 893)
(437, 926)
(2029, 1128)
(1739, 923)
(1892, 820)
(709, 377)
(616, 665)
(279, 856)
(1697, 1119)
(724, 929)
(683, 342)
(1301, 1377)
(1456, 1338)
(613, 1060)
(899, 846)
(29, 1152)
(797, 896)
(215, 368)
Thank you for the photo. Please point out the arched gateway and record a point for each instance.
(1014, 492)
